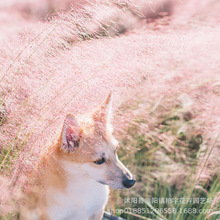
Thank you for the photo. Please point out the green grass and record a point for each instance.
(165, 159)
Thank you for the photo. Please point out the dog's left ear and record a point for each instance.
(102, 116)
(70, 134)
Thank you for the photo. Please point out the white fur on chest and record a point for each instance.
(81, 198)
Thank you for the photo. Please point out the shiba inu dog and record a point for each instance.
(73, 177)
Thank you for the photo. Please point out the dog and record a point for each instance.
(73, 177)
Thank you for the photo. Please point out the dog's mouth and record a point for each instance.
(103, 183)
(116, 186)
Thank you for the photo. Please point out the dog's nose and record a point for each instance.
(128, 183)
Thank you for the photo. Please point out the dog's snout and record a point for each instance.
(128, 183)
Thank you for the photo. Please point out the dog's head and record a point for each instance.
(91, 150)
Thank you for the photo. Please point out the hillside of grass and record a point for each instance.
(160, 58)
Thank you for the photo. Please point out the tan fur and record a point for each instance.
(66, 178)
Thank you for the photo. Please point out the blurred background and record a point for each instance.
(161, 59)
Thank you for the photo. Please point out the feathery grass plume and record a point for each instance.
(69, 61)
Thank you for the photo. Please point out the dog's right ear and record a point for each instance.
(70, 134)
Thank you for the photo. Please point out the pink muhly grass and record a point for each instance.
(50, 69)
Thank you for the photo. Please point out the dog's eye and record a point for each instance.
(100, 161)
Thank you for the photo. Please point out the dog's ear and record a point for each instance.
(70, 134)
(102, 116)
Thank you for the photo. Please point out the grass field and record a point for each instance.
(160, 58)
(169, 176)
